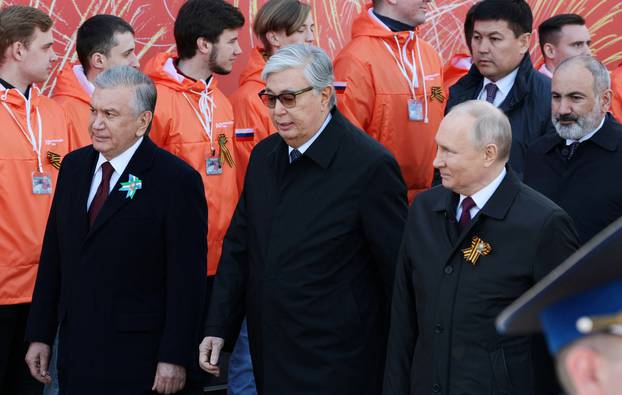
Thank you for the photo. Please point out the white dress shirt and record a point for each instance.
(482, 196)
(589, 135)
(504, 86)
(308, 143)
(119, 163)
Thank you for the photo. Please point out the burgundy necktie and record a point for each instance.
(465, 217)
(102, 192)
(491, 92)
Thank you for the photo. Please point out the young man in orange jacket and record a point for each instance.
(35, 139)
(103, 41)
(278, 23)
(391, 85)
(193, 118)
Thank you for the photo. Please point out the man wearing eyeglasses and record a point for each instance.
(310, 254)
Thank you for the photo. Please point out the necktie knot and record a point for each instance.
(491, 92)
(572, 149)
(294, 155)
(465, 216)
(107, 171)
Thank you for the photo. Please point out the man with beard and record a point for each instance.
(193, 118)
(577, 167)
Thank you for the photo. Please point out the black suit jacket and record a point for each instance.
(310, 257)
(443, 338)
(128, 292)
(586, 186)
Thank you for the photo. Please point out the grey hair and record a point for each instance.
(316, 65)
(145, 93)
(602, 80)
(491, 126)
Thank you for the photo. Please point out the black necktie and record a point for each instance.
(102, 192)
(294, 155)
(465, 216)
(491, 92)
(572, 149)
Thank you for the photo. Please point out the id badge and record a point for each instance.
(415, 110)
(212, 166)
(41, 183)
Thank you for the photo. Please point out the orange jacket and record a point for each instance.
(23, 213)
(616, 86)
(177, 128)
(252, 122)
(73, 92)
(374, 95)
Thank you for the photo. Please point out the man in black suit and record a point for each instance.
(472, 246)
(579, 167)
(122, 269)
(310, 253)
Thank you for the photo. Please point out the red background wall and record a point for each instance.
(153, 22)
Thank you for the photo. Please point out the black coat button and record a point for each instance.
(438, 328)
(436, 388)
(448, 269)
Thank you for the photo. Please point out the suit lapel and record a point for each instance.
(82, 177)
(138, 165)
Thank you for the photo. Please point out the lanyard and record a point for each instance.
(30, 136)
(206, 115)
(413, 82)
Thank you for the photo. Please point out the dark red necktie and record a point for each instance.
(102, 192)
(465, 217)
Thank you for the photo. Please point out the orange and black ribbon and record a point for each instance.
(225, 154)
(478, 248)
(54, 159)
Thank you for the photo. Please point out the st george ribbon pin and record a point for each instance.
(478, 248)
(131, 186)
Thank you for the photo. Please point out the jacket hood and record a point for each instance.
(254, 67)
(161, 69)
(367, 24)
(72, 82)
(16, 99)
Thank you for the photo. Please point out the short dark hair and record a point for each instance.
(203, 18)
(517, 14)
(550, 30)
(18, 23)
(96, 35)
(279, 15)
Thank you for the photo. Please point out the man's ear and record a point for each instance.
(273, 39)
(605, 100)
(524, 41)
(491, 154)
(326, 93)
(16, 50)
(204, 46)
(583, 366)
(98, 61)
(549, 51)
(144, 120)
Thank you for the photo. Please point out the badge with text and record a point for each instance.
(41, 183)
(132, 185)
(437, 94)
(415, 110)
(478, 248)
(54, 159)
(213, 166)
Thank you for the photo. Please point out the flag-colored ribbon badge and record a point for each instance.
(478, 248)
(131, 186)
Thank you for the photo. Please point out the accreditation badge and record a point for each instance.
(41, 183)
(415, 110)
(213, 167)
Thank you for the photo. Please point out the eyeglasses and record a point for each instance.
(287, 99)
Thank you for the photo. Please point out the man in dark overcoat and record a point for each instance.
(123, 264)
(579, 167)
(310, 254)
(472, 246)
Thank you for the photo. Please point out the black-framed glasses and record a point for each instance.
(287, 99)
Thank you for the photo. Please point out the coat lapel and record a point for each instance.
(138, 165)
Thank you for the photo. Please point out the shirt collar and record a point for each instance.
(589, 135)
(545, 70)
(482, 196)
(119, 162)
(308, 143)
(505, 84)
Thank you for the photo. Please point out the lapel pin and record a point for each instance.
(131, 186)
(478, 248)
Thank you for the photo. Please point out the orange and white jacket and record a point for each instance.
(73, 92)
(373, 93)
(616, 86)
(24, 214)
(178, 129)
(252, 122)
(457, 67)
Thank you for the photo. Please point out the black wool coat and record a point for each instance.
(310, 258)
(442, 338)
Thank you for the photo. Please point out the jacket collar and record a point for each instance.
(608, 137)
(497, 206)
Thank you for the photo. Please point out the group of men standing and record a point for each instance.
(309, 239)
